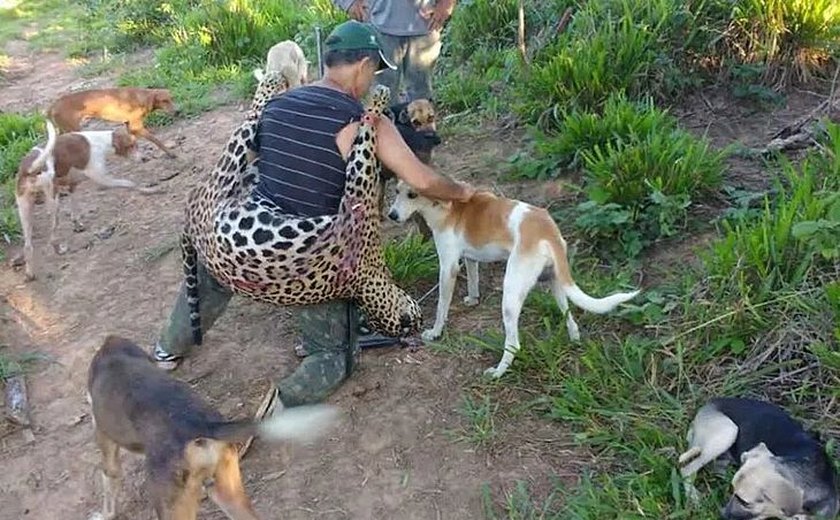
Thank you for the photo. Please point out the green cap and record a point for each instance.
(357, 36)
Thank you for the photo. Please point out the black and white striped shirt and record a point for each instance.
(301, 168)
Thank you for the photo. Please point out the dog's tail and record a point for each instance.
(38, 163)
(300, 423)
(190, 259)
(564, 282)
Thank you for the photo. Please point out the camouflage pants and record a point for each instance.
(328, 330)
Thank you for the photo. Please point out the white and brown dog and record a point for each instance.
(488, 228)
(288, 59)
(59, 167)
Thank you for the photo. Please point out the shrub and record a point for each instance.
(478, 84)
(493, 24)
(235, 31)
(130, 24)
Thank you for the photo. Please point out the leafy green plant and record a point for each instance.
(823, 234)
(611, 46)
(640, 189)
(234, 31)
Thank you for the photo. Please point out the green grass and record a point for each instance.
(411, 259)
(45, 24)
(14, 365)
(758, 315)
(479, 424)
(641, 172)
(794, 40)
(18, 133)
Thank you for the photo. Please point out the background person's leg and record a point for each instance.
(328, 331)
(394, 48)
(175, 339)
(420, 57)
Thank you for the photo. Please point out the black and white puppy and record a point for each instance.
(784, 470)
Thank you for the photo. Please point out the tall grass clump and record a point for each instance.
(611, 46)
(794, 40)
(641, 172)
(578, 131)
(796, 232)
(235, 31)
(411, 258)
(18, 133)
(130, 24)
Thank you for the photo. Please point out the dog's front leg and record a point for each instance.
(472, 282)
(142, 132)
(111, 475)
(446, 287)
(101, 178)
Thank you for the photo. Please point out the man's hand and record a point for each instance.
(358, 11)
(467, 191)
(440, 14)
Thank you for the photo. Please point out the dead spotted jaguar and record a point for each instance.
(256, 250)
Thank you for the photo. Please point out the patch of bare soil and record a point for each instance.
(725, 121)
(394, 455)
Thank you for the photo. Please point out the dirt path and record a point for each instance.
(393, 456)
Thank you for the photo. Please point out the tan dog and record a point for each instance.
(66, 160)
(420, 114)
(288, 59)
(140, 408)
(488, 228)
(126, 104)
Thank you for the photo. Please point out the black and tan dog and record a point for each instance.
(417, 123)
(142, 409)
(784, 470)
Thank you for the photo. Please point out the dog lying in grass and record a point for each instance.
(784, 471)
(140, 408)
(488, 228)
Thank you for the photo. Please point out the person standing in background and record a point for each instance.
(410, 31)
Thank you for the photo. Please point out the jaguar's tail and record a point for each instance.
(190, 259)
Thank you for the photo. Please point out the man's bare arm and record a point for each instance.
(398, 157)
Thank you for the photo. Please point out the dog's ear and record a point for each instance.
(760, 450)
(403, 117)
